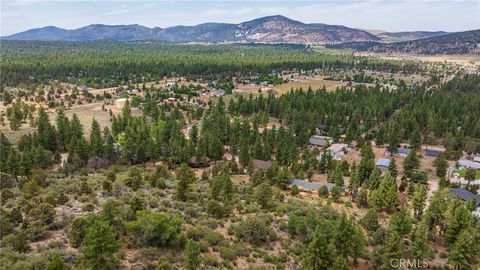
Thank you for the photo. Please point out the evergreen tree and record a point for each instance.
(420, 247)
(96, 141)
(263, 194)
(63, 126)
(441, 165)
(100, 246)
(185, 177)
(393, 249)
(392, 168)
(319, 253)
(419, 199)
(411, 164)
(416, 139)
(464, 250)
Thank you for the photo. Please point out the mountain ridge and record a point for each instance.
(269, 29)
(467, 42)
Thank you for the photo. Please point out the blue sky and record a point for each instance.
(390, 15)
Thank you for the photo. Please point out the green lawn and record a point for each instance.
(462, 173)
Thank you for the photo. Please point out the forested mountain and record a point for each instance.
(455, 43)
(271, 29)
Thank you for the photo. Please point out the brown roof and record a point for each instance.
(261, 164)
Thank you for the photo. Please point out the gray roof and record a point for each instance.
(465, 194)
(432, 152)
(401, 151)
(383, 162)
(318, 142)
(310, 185)
(468, 164)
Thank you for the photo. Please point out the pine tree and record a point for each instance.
(263, 194)
(441, 165)
(46, 133)
(96, 141)
(393, 249)
(185, 177)
(470, 175)
(420, 247)
(419, 199)
(464, 250)
(319, 253)
(100, 246)
(411, 164)
(416, 139)
(63, 126)
(392, 168)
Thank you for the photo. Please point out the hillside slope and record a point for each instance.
(467, 42)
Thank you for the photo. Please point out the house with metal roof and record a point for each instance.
(317, 142)
(383, 164)
(337, 150)
(465, 195)
(465, 164)
(307, 185)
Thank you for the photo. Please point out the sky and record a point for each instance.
(389, 15)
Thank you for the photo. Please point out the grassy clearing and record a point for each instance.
(463, 171)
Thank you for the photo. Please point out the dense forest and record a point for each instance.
(171, 217)
(103, 63)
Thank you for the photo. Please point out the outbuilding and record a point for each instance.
(383, 164)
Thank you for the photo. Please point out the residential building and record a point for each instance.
(311, 186)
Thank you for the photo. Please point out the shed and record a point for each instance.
(383, 164)
(432, 153)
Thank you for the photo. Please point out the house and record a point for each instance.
(465, 164)
(465, 195)
(317, 142)
(401, 152)
(307, 185)
(261, 164)
(476, 159)
(337, 150)
(383, 164)
(432, 153)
